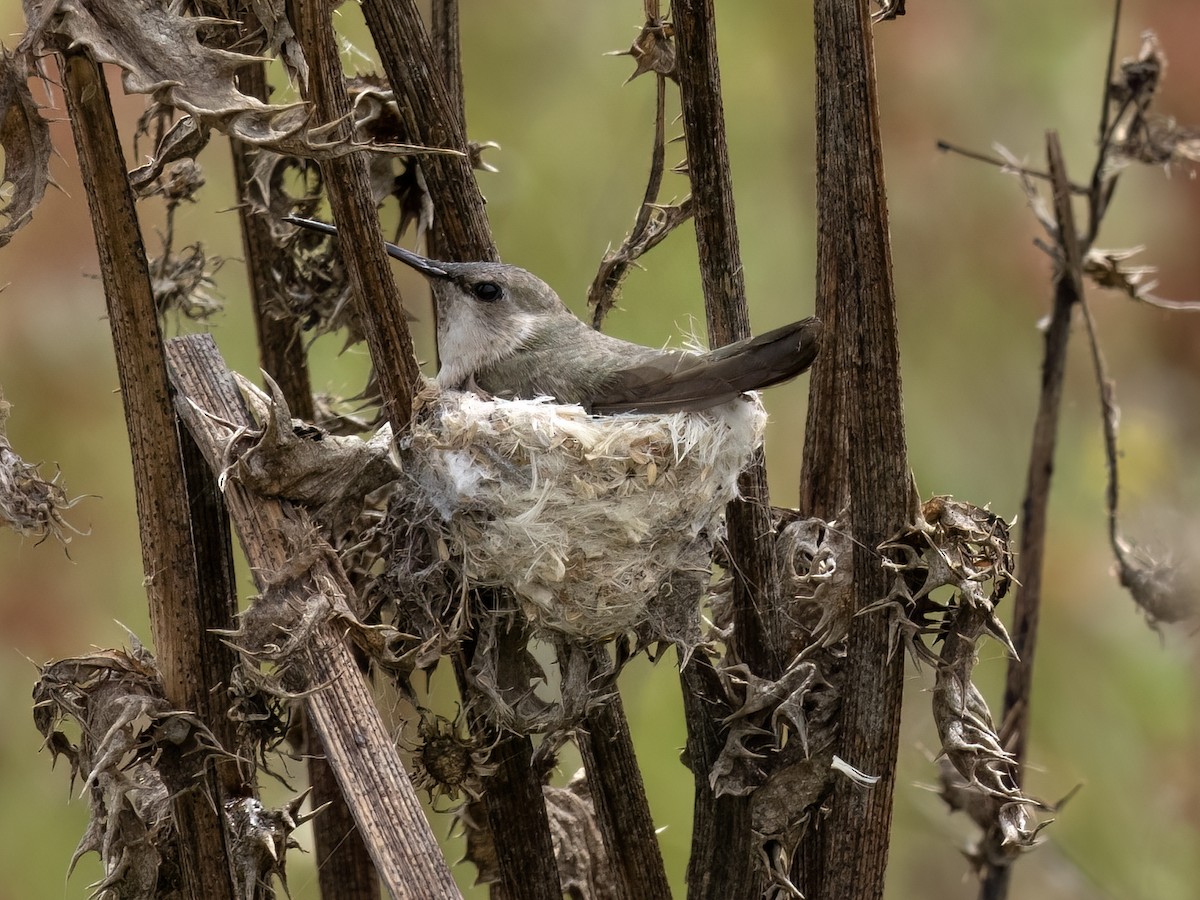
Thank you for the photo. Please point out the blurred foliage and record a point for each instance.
(1115, 705)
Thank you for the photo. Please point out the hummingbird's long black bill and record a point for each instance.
(415, 260)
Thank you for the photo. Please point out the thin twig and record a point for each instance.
(1002, 163)
(613, 268)
(1031, 555)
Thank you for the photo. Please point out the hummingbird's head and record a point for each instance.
(486, 310)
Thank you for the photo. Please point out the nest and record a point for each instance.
(583, 518)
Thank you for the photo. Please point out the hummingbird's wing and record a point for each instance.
(686, 382)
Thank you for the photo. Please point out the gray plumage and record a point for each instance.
(504, 331)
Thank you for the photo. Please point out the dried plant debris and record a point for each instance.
(134, 753)
(179, 60)
(584, 869)
(183, 282)
(25, 142)
(259, 839)
(799, 705)
(1164, 590)
(951, 544)
(582, 518)
(1137, 134)
(963, 548)
(29, 504)
(780, 738)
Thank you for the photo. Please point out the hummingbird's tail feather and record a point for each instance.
(700, 381)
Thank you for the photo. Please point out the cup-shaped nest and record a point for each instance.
(583, 518)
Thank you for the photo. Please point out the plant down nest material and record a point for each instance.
(585, 519)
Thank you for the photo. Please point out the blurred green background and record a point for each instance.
(1114, 707)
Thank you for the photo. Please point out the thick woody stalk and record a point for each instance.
(350, 197)
(190, 659)
(722, 862)
(855, 453)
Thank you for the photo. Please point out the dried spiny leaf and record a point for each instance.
(584, 869)
(259, 839)
(134, 752)
(653, 50)
(25, 142)
(181, 181)
(816, 560)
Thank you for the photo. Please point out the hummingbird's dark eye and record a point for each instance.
(487, 291)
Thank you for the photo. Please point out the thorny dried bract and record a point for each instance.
(260, 838)
(956, 546)
(134, 752)
(447, 761)
(653, 50)
(29, 504)
(779, 745)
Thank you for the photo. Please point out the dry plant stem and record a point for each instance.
(1068, 290)
(350, 198)
(173, 587)
(622, 810)
(512, 794)
(602, 292)
(280, 347)
(855, 449)
(428, 111)
(340, 707)
(722, 863)
(216, 604)
(343, 863)
(432, 115)
(1001, 163)
(758, 607)
(448, 50)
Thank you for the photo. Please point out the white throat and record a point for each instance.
(470, 341)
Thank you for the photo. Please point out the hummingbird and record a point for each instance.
(503, 331)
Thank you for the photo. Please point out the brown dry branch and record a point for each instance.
(298, 625)
(188, 656)
(723, 856)
(1128, 132)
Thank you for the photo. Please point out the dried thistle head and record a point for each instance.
(447, 761)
